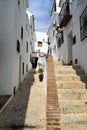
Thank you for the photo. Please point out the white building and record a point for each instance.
(14, 45)
(52, 31)
(39, 41)
(40, 44)
(73, 19)
(30, 28)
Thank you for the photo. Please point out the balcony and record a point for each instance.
(65, 14)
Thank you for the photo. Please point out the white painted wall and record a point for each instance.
(79, 50)
(40, 36)
(52, 33)
(12, 17)
(20, 21)
(7, 41)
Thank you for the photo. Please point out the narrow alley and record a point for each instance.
(62, 107)
(27, 109)
(43, 70)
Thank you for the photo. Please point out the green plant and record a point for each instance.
(41, 76)
(40, 70)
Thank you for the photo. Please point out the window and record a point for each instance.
(23, 68)
(18, 46)
(76, 61)
(83, 25)
(21, 32)
(48, 41)
(19, 2)
(39, 44)
(74, 40)
(62, 37)
(26, 46)
(26, 67)
(59, 42)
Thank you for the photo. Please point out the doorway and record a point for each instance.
(70, 44)
(20, 59)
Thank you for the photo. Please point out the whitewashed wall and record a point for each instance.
(79, 50)
(39, 36)
(12, 17)
(7, 43)
(53, 39)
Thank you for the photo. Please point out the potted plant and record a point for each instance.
(41, 77)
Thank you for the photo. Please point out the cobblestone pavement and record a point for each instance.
(27, 109)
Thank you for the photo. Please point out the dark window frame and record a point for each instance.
(26, 67)
(23, 68)
(21, 32)
(18, 46)
(59, 42)
(74, 40)
(83, 25)
(27, 47)
(61, 39)
(19, 2)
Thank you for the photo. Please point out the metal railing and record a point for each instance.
(65, 10)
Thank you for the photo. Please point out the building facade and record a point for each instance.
(40, 44)
(73, 49)
(52, 31)
(30, 27)
(14, 45)
(71, 32)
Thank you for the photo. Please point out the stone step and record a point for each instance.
(53, 122)
(67, 67)
(72, 103)
(72, 91)
(74, 118)
(54, 116)
(70, 85)
(67, 110)
(52, 106)
(74, 126)
(68, 71)
(53, 112)
(58, 63)
(74, 106)
(53, 119)
(71, 77)
(53, 127)
(72, 95)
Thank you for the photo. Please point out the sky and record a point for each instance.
(41, 10)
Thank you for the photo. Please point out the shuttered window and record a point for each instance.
(39, 44)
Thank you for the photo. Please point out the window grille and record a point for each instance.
(83, 25)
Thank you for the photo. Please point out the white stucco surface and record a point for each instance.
(79, 49)
(12, 18)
